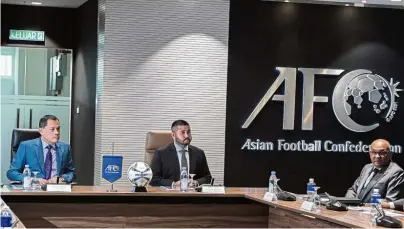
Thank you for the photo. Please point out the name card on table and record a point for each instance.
(306, 205)
(59, 188)
(269, 196)
(213, 189)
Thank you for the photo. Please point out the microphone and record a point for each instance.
(387, 221)
(283, 195)
(335, 205)
(199, 188)
(329, 197)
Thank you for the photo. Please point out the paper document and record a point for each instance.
(166, 188)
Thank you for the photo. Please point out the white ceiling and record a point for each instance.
(77, 3)
(385, 3)
(49, 3)
(359, 3)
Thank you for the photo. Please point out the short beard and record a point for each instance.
(182, 144)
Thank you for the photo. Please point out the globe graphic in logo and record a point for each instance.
(139, 174)
(369, 98)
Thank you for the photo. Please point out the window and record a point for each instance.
(6, 66)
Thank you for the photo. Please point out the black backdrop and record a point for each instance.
(264, 35)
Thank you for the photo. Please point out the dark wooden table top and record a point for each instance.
(353, 219)
(126, 191)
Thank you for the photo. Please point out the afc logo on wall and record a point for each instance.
(356, 90)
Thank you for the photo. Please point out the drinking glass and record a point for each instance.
(192, 184)
(316, 200)
(35, 181)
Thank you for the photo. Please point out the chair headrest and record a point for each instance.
(157, 139)
(20, 135)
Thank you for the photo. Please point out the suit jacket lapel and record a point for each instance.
(59, 153)
(374, 180)
(192, 162)
(39, 155)
(363, 180)
(177, 171)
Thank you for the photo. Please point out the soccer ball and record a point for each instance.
(139, 174)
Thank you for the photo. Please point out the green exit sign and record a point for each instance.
(26, 35)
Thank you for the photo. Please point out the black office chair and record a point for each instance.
(20, 135)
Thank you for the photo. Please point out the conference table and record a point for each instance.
(93, 206)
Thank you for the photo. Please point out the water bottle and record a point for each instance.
(374, 201)
(310, 188)
(184, 180)
(272, 180)
(6, 217)
(27, 178)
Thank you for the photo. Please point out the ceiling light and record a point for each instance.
(36, 3)
(346, 4)
(364, 1)
(286, 0)
(396, 0)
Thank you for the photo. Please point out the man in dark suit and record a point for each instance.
(396, 205)
(168, 161)
(382, 174)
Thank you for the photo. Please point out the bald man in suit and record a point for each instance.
(382, 174)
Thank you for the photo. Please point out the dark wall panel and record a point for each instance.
(58, 23)
(265, 35)
(84, 88)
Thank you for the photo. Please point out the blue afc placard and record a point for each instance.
(111, 167)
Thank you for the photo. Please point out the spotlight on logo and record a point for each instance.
(139, 175)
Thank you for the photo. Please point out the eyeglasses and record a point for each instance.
(381, 153)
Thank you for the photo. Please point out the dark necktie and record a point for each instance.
(48, 163)
(371, 176)
(184, 162)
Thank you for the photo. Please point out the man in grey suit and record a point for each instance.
(396, 205)
(382, 174)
